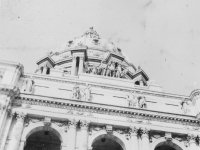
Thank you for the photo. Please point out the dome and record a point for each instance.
(91, 54)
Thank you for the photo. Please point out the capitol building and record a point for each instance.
(89, 96)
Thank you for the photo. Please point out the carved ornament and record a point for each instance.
(168, 136)
(84, 124)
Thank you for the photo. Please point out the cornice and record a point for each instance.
(136, 90)
(108, 110)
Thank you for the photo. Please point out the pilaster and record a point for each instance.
(134, 138)
(71, 134)
(17, 131)
(145, 138)
(192, 142)
(84, 134)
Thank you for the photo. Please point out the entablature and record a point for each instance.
(90, 107)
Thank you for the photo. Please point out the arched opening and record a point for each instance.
(164, 148)
(43, 140)
(107, 142)
(167, 146)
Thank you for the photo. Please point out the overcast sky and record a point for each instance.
(162, 36)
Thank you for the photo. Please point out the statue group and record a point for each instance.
(113, 69)
(28, 86)
(84, 94)
(134, 101)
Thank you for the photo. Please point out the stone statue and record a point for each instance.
(94, 70)
(119, 71)
(142, 102)
(29, 85)
(110, 69)
(132, 101)
(87, 70)
(185, 106)
(92, 33)
(87, 92)
(75, 92)
(124, 73)
(100, 68)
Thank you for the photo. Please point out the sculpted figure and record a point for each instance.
(185, 106)
(100, 68)
(119, 71)
(132, 101)
(94, 70)
(104, 70)
(75, 92)
(110, 69)
(88, 93)
(92, 33)
(124, 73)
(28, 85)
(142, 102)
(86, 67)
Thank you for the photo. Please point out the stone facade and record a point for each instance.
(89, 97)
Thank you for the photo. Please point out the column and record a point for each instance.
(192, 142)
(73, 69)
(134, 138)
(7, 129)
(44, 72)
(145, 138)
(17, 132)
(71, 137)
(84, 135)
(81, 65)
(141, 83)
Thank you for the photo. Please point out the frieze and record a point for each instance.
(90, 109)
(107, 87)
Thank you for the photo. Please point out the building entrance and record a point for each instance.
(43, 140)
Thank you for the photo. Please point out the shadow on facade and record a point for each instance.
(43, 140)
(107, 142)
(167, 146)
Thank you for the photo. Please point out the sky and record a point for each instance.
(161, 36)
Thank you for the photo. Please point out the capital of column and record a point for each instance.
(133, 131)
(81, 57)
(20, 116)
(84, 124)
(72, 123)
(191, 138)
(144, 132)
(74, 57)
